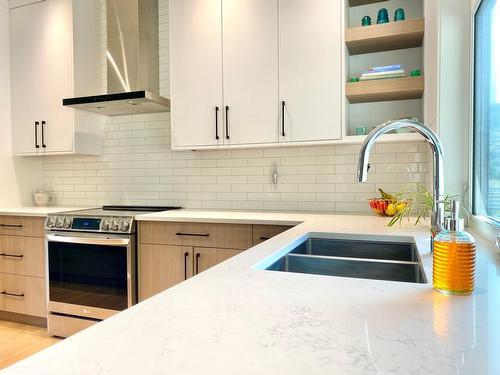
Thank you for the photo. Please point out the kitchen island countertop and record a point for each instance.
(236, 318)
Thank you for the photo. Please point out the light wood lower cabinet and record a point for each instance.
(22, 255)
(171, 252)
(23, 295)
(226, 236)
(22, 266)
(22, 226)
(162, 266)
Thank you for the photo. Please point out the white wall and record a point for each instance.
(454, 113)
(19, 177)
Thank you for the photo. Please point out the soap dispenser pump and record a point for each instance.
(454, 256)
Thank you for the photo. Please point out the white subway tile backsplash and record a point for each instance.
(137, 166)
(336, 159)
(397, 147)
(316, 206)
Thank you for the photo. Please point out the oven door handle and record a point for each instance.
(89, 241)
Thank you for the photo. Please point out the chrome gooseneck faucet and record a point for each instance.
(437, 220)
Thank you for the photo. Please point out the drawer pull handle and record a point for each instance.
(283, 118)
(264, 238)
(217, 123)
(227, 122)
(12, 255)
(193, 234)
(5, 293)
(43, 134)
(36, 134)
(198, 255)
(186, 255)
(11, 225)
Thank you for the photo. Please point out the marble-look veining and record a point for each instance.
(237, 319)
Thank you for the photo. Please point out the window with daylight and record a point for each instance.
(486, 172)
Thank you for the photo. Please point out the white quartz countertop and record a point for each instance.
(232, 217)
(238, 319)
(35, 211)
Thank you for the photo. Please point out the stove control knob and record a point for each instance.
(115, 225)
(106, 225)
(51, 222)
(67, 223)
(59, 222)
(125, 225)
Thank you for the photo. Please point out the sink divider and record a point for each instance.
(352, 259)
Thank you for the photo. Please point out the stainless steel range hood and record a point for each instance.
(132, 62)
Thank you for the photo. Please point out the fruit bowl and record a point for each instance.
(387, 207)
(380, 206)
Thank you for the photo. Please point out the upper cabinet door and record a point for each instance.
(48, 40)
(41, 72)
(26, 52)
(196, 72)
(57, 80)
(250, 40)
(310, 70)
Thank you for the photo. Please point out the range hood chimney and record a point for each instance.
(132, 62)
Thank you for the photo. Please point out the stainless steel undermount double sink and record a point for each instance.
(363, 259)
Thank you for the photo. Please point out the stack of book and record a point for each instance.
(382, 72)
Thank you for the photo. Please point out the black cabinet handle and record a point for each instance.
(36, 134)
(197, 262)
(227, 122)
(5, 293)
(264, 238)
(283, 118)
(43, 135)
(193, 234)
(217, 123)
(186, 254)
(11, 225)
(12, 255)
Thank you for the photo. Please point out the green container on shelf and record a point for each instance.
(399, 15)
(383, 16)
(366, 21)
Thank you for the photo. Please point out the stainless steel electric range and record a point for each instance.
(91, 268)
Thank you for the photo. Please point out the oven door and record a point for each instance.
(90, 274)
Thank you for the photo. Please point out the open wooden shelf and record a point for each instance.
(385, 37)
(386, 138)
(355, 3)
(382, 90)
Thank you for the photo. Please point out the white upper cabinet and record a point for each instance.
(247, 57)
(54, 55)
(310, 70)
(196, 72)
(250, 58)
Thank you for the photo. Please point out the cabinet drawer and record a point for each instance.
(23, 295)
(22, 226)
(261, 233)
(228, 236)
(66, 326)
(22, 255)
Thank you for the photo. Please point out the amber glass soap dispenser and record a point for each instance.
(454, 256)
